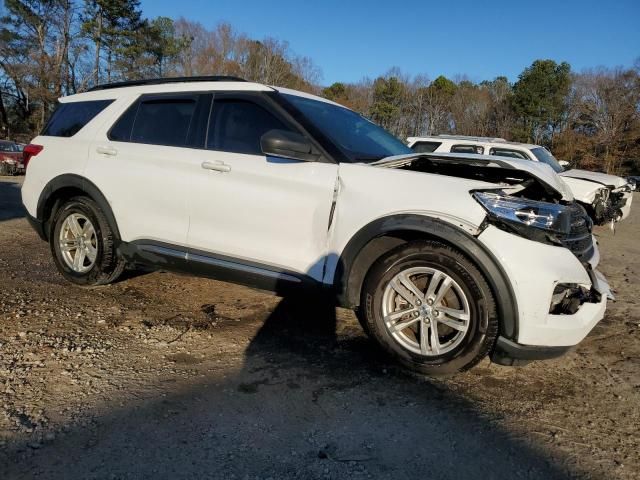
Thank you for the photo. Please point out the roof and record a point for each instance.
(116, 90)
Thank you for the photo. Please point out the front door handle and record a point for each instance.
(107, 150)
(217, 166)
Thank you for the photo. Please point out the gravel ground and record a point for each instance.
(167, 376)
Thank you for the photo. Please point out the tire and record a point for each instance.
(101, 264)
(464, 320)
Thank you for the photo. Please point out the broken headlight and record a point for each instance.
(529, 218)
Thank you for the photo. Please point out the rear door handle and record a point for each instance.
(217, 166)
(107, 150)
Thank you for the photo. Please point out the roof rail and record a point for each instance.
(471, 138)
(159, 81)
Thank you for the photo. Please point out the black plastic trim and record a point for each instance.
(81, 183)
(509, 353)
(348, 291)
(165, 256)
(161, 81)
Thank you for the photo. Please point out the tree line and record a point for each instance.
(52, 48)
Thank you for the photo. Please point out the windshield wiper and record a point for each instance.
(370, 158)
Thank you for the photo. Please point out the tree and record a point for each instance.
(110, 25)
(35, 39)
(387, 99)
(539, 99)
(163, 44)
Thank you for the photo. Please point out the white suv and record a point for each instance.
(606, 198)
(444, 261)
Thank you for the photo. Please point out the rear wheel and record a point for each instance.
(83, 244)
(430, 308)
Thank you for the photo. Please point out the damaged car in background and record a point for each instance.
(607, 198)
(446, 259)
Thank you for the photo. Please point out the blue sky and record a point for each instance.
(351, 39)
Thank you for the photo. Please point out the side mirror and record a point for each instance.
(282, 143)
(564, 163)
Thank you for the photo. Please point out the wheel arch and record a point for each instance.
(66, 186)
(380, 236)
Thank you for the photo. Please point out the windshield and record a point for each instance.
(8, 147)
(545, 156)
(358, 138)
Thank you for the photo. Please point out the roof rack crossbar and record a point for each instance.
(159, 81)
(472, 138)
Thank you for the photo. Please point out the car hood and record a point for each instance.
(601, 178)
(543, 172)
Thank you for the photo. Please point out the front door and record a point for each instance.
(255, 209)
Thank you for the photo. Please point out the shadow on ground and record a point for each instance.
(10, 201)
(307, 403)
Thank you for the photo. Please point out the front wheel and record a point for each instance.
(430, 308)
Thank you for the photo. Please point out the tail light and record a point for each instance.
(29, 151)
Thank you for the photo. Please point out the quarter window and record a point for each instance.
(69, 118)
(236, 125)
(477, 149)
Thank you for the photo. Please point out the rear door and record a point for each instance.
(255, 209)
(141, 165)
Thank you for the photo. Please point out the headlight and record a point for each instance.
(523, 214)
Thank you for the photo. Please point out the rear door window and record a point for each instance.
(477, 149)
(237, 124)
(169, 120)
(425, 147)
(69, 118)
(506, 152)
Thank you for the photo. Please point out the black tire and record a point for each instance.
(108, 265)
(482, 331)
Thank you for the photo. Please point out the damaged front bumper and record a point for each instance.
(536, 270)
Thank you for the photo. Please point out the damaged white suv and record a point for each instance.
(445, 260)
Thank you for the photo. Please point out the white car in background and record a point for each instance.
(606, 198)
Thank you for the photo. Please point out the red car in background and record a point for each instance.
(11, 158)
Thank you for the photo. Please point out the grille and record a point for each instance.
(579, 241)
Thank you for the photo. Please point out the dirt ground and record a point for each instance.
(167, 376)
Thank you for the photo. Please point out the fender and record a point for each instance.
(348, 280)
(75, 181)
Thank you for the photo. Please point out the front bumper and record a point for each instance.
(535, 269)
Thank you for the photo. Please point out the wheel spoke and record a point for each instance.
(87, 229)
(409, 285)
(402, 291)
(444, 287)
(74, 225)
(433, 284)
(460, 325)
(68, 247)
(424, 339)
(402, 324)
(435, 341)
(78, 259)
(92, 253)
(393, 316)
(452, 312)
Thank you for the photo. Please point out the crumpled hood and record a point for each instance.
(601, 178)
(540, 170)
